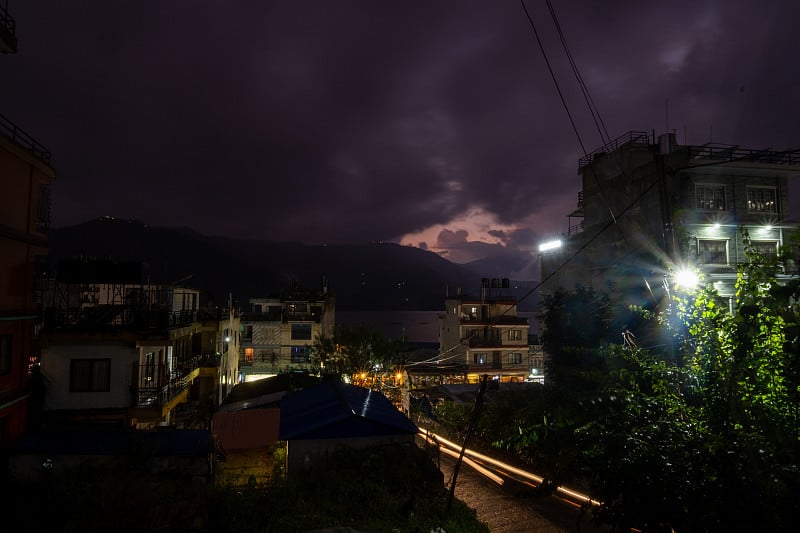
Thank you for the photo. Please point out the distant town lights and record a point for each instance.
(550, 245)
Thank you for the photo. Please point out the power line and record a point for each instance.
(552, 75)
(605, 138)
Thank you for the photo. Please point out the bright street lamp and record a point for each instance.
(551, 245)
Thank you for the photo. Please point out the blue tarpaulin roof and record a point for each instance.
(337, 410)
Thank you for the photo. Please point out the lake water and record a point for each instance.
(413, 326)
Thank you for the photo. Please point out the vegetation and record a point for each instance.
(357, 350)
(392, 488)
(684, 416)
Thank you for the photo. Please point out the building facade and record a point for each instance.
(25, 178)
(484, 333)
(278, 333)
(651, 207)
(119, 349)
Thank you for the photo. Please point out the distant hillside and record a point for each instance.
(363, 277)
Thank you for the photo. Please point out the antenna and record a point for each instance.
(666, 113)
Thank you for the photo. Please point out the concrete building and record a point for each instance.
(25, 178)
(278, 333)
(484, 333)
(119, 349)
(650, 207)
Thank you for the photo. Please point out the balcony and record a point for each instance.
(21, 137)
(114, 316)
(156, 389)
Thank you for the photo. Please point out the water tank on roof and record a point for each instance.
(485, 283)
(495, 283)
(506, 283)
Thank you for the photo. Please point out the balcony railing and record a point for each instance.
(23, 139)
(154, 385)
(726, 152)
(116, 316)
(632, 137)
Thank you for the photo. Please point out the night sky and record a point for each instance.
(434, 124)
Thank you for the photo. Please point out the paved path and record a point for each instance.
(505, 511)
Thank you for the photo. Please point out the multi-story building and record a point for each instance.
(484, 333)
(650, 207)
(25, 177)
(118, 348)
(278, 333)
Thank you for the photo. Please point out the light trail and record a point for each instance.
(488, 473)
(584, 498)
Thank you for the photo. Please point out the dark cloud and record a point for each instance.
(357, 121)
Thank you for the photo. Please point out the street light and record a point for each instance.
(550, 245)
(686, 279)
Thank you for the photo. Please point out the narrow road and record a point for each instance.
(510, 508)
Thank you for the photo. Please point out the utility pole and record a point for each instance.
(470, 429)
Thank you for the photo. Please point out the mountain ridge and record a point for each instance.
(363, 277)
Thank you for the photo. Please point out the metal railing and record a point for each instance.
(7, 21)
(726, 152)
(116, 316)
(23, 139)
(631, 137)
(154, 385)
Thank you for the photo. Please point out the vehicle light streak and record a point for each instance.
(494, 477)
(522, 473)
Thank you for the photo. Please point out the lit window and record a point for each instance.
(479, 358)
(514, 358)
(249, 354)
(761, 200)
(90, 375)
(712, 252)
(710, 197)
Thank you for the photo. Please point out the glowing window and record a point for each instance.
(710, 197)
(761, 200)
(249, 354)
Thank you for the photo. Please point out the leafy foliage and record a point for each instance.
(696, 432)
(356, 350)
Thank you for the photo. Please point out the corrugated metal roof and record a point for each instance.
(337, 410)
(265, 391)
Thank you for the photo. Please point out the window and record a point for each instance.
(515, 335)
(766, 249)
(712, 252)
(5, 354)
(761, 200)
(710, 197)
(301, 354)
(248, 332)
(90, 375)
(43, 209)
(479, 358)
(301, 332)
(249, 354)
(515, 358)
